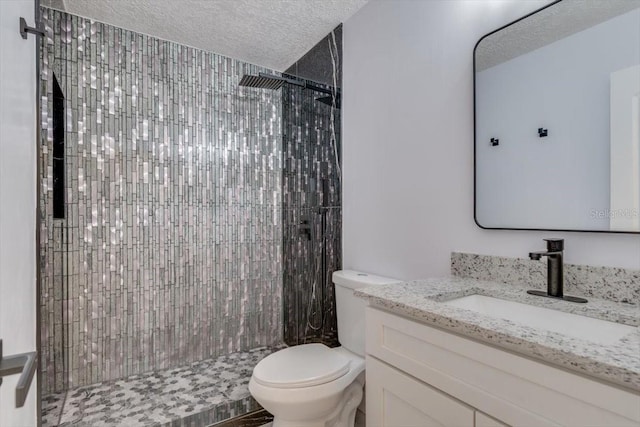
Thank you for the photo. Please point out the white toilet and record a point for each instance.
(312, 385)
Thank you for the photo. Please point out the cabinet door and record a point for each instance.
(395, 399)
(483, 420)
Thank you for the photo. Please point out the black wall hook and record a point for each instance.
(494, 142)
(543, 132)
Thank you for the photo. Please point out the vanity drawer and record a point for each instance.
(508, 387)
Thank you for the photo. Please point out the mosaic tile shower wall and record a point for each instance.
(312, 210)
(171, 247)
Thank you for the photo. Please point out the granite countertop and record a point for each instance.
(422, 300)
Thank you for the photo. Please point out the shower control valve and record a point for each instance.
(304, 228)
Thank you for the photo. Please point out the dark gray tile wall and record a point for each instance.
(171, 250)
(323, 62)
(312, 197)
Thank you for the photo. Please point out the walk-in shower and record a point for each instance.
(173, 202)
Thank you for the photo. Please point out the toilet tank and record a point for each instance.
(350, 309)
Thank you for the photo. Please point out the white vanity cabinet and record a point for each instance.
(422, 376)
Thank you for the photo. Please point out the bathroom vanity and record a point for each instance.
(434, 357)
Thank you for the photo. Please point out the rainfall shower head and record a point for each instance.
(261, 82)
(269, 81)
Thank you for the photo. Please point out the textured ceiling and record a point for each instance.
(271, 33)
(551, 24)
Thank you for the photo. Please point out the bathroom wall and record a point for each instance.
(311, 197)
(171, 248)
(18, 232)
(408, 143)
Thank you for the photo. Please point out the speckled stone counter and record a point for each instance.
(424, 301)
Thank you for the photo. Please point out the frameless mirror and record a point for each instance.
(557, 119)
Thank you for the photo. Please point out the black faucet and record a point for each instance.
(555, 271)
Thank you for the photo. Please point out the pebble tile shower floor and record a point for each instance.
(199, 394)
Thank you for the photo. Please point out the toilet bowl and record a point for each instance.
(326, 392)
(312, 385)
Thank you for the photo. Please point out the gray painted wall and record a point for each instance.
(408, 145)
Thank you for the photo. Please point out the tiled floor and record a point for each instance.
(199, 394)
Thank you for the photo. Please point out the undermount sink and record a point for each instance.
(576, 326)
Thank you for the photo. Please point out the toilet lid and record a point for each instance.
(301, 366)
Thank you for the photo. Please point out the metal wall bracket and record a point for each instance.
(25, 29)
(23, 364)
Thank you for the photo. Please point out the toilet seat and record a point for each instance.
(301, 366)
